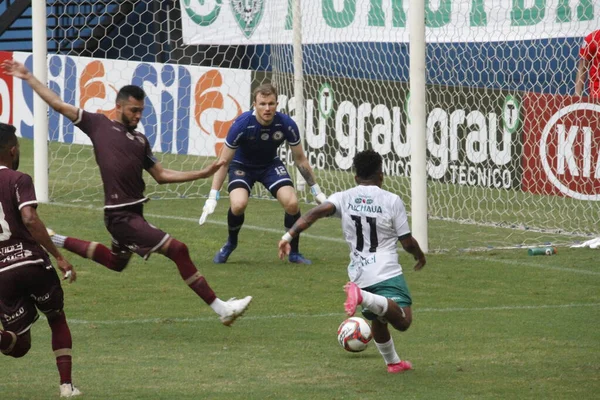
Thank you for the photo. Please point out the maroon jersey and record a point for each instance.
(17, 246)
(121, 155)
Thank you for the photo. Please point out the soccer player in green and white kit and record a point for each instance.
(373, 221)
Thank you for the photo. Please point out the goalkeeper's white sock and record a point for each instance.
(377, 304)
(388, 351)
(58, 240)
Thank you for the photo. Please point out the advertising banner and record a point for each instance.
(473, 135)
(188, 109)
(561, 146)
(333, 21)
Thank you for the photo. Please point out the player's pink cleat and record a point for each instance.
(399, 367)
(353, 298)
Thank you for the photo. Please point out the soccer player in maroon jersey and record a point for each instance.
(122, 153)
(589, 65)
(28, 281)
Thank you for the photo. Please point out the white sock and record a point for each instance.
(219, 306)
(58, 240)
(388, 351)
(377, 304)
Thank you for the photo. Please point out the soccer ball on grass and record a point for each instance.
(354, 334)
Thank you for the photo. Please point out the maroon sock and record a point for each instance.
(102, 254)
(179, 253)
(6, 340)
(62, 345)
(64, 364)
(77, 246)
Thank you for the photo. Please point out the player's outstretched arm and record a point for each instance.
(411, 245)
(307, 172)
(36, 227)
(304, 222)
(162, 175)
(18, 70)
(219, 177)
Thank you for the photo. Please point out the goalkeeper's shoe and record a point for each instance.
(224, 253)
(399, 367)
(68, 390)
(298, 258)
(235, 309)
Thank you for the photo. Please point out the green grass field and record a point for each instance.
(494, 324)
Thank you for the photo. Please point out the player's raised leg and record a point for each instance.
(113, 260)
(383, 309)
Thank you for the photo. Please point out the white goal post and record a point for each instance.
(511, 156)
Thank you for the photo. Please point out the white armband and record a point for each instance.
(287, 237)
(315, 189)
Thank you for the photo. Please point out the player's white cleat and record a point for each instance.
(68, 390)
(235, 309)
(50, 232)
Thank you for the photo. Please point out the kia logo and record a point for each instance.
(576, 169)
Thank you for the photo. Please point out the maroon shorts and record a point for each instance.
(25, 289)
(132, 233)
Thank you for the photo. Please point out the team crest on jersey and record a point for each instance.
(239, 172)
(362, 200)
(264, 136)
(278, 135)
(248, 14)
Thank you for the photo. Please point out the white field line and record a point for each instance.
(326, 315)
(532, 265)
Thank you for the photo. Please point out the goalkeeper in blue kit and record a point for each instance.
(250, 156)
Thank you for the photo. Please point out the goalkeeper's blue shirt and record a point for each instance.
(256, 145)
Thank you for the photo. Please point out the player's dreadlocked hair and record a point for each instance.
(266, 89)
(131, 91)
(367, 164)
(8, 138)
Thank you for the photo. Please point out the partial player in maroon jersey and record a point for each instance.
(28, 281)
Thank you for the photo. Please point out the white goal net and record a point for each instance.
(513, 157)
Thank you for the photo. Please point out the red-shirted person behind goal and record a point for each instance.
(28, 281)
(589, 66)
(122, 153)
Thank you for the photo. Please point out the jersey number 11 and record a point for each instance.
(360, 241)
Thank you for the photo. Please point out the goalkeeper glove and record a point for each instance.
(209, 205)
